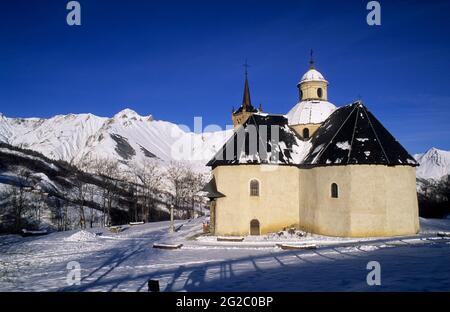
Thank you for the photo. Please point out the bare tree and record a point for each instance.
(176, 173)
(192, 183)
(185, 183)
(79, 196)
(90, 165)
(146, 178)
(107, 170)
(149, 181)
(18, 199)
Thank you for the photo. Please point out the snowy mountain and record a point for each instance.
(125, 137)
(434, 164)
(128, 137)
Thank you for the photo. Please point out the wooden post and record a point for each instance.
(153, 286)
(171, 227)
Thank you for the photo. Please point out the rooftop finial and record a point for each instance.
(246, 66)
(311, 60)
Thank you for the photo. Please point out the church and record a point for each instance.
(328, 170)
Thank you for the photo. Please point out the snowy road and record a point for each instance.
(126, 261)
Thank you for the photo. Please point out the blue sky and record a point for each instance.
(180, 59)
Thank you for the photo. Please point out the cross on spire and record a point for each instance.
(246, 66)
(311, 60)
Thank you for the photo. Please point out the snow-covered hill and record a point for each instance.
(27, 177)
(434, 164)
(125, 137)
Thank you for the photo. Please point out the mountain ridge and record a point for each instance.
(77, 137)
(128, 136)
(433, 164)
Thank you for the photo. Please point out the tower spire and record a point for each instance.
(246, 109)
(311, 60)
(246, 101)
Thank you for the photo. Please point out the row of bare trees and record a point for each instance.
(150, 189)
(109, 177)
(105, 192)
(434, 198)
(23, 204)
(184, 185)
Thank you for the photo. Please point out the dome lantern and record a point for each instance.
(313, 85)
(313, 106)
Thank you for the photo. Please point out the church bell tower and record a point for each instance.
(313, 85)
(246, 109)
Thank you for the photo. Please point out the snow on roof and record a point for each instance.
(307, 112)
(210, 189)
(262, 139)
(352, 135)
(312, 75)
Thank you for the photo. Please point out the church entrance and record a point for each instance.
(254, 227)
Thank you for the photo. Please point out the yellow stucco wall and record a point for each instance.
(276, 206)
(309, 90)
(373, 200)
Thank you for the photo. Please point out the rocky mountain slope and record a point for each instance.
(434, 164)
(125, 137)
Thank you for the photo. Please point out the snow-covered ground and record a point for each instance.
(125, 261)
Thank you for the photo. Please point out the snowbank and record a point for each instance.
(81, 236)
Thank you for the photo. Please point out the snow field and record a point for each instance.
(125, 261)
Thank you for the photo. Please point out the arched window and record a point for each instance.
(334, 190)
(301, 95)
(254, 188)
(305, 133)
(319, 93)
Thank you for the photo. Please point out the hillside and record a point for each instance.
(39, 192)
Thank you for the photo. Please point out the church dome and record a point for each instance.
(310, 112)
(312, 75)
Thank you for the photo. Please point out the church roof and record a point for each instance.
(255, 142)
(352, 135)
(310, 112)
(210, 190)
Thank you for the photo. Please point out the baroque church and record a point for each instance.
(323, 169)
